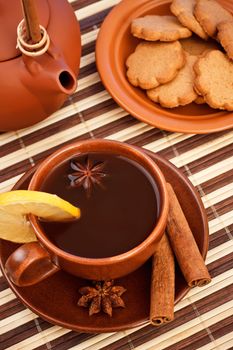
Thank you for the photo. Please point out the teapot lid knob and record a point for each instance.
(32, 50)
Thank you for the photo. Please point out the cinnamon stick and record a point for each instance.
(162, 284)
(184, 245)
(31, 21)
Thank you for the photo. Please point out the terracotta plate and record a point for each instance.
(115, 43)
(55, 298)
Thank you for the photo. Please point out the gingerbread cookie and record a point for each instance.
(196, 46)
(225, 36)
(184, 11)
(178, 92)
(163, 28)
(214, 79)
(153, 64)
(210, 14)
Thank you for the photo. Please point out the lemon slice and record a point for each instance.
(15, 205)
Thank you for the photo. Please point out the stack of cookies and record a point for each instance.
(187, 57)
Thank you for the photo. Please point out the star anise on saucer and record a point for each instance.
(103, 296)
(86, 175)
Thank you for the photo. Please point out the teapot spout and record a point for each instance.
(66, 81)
(56, 72)
(49, 79)
(49, 72)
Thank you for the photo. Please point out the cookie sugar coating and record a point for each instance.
(209, 14)
(163, 28)
(214, 79)
(184, 11)
(178, 92)
(153, 64)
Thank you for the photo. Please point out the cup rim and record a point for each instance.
(155, 172)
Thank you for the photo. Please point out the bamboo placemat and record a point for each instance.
(204, 318)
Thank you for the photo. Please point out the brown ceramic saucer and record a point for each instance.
(55, 299)
(115, 43)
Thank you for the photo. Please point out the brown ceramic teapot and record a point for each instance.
(33, 87)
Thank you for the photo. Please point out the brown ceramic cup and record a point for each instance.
(33, 262)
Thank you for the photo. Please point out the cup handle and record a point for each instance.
(29, 264)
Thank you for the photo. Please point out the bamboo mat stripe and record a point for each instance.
(203, 319)
(126, 133)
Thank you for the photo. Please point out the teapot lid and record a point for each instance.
(11, 14)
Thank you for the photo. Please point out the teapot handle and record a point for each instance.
(29, 264)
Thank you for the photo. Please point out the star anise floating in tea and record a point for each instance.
(87, 175)
(103, 296)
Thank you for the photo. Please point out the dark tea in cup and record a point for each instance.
(119, 204)
(123, 198)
